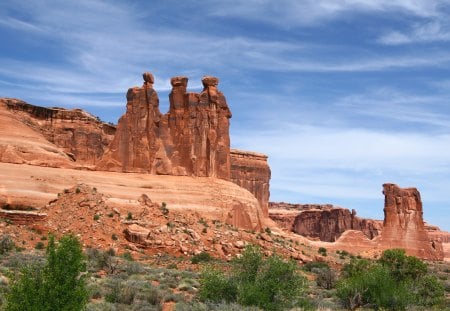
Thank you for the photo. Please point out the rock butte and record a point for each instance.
(190, 140)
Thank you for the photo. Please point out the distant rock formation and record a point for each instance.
(191, 139)
(403, 223)
(321, 221)
(80, 136)
(251, 171)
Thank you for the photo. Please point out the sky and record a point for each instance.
(342, 95)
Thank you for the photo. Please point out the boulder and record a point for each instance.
(136, 234)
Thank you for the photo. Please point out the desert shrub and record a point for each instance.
(129, 292)
(315, 264)
(58, 285)
(129, 216)
(216, 287)
(268, 283)
(202, 257)
(127, 256)
(401, 266)
(322, 251)
(114, 237)
(6, 244)
(394, 282)
(326, 278)
(132, 267)
(39, 245)
(96, 217)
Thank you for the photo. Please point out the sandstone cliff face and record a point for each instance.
(191, 139)
(251, 171)
(403, 223)
(22, 144)
(76, 133)
(324, 222)
(328, 225)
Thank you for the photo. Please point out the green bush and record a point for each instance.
(202, 257)
(39, 245)
(394, 282)
(58, 285)
(315, 264)
(322, 251)
(270, 284)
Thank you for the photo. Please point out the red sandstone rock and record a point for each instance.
(191, 139)
(251, 171)
(328, 225)
(136, 234)
(136, 142)
(404, 226)
(78, 134)
(324, 222)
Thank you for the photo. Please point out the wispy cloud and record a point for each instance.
(429, 32)
(288, 13)
(390, 104)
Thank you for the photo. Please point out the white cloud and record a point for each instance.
(288, 13)
(429, 32)
(397, 106)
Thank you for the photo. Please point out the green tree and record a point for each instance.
(59, 285)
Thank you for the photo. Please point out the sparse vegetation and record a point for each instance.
(202, 257)
(164, 209)
(322, 251)
(6, 244)
(129, 216)
(39, 245)
(96, 217)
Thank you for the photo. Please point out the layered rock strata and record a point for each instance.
(403, 223)
(251, 171)
(191, 139)
(323, 222)
(82, 137)
(328, 225)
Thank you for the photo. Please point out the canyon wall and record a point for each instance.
(251, 171)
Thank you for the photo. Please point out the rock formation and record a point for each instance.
(191, 139)
(324, 222)
(403, 223)
(328, 225)
(251, 171)
(81, 137)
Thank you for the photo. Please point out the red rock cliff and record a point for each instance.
(329, 224)
(404, 226)
(251, 171)
(321, 221)
(79, 134)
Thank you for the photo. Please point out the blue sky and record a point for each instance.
(342, 95)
